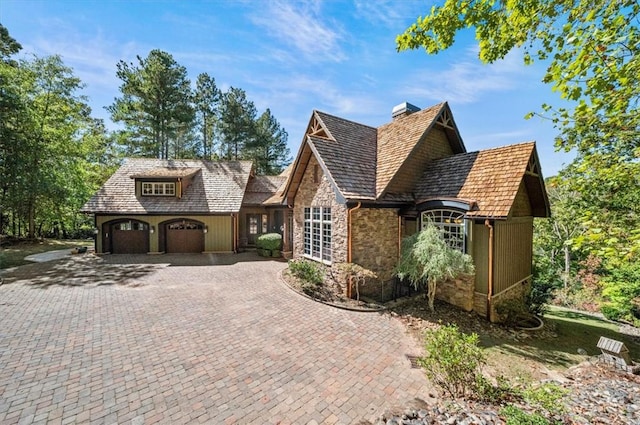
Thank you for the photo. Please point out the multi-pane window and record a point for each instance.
(452, 224)
(317, 233)
(158, 189)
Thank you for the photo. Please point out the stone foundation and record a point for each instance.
(457, 292)
(515, 292)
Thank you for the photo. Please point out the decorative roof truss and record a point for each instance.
(532, 167)
(445, 120)
(317, 129)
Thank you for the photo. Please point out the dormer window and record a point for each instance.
(158, 189)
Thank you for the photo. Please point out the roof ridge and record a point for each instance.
(344, 119)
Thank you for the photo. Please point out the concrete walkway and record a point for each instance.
(191, 339)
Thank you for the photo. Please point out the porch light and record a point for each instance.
(205, 229)
(96, 231)
(152, 229)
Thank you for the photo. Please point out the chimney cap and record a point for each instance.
(405, 108)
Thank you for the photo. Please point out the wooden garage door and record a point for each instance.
(130, 237)
(185, 236)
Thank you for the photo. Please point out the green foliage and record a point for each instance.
(591, 48)
(353, 273)
(206, 100)
(269, 241)
(308, 271)
(237, 123)
(515, 416)
(622, 291)
(546, 399)
(155, 107)
(538, 296)
(268, 149)
(453, 360)
(426, 258)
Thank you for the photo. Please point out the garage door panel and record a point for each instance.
(129, 241)
(184, 237)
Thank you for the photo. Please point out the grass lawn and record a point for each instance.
(13, 255)
(574, 330)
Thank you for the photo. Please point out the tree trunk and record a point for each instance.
(32, 220)
(431, 293)
(567, 265)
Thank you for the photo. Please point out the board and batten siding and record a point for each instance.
(513, 252)
(480, 254)
(219, 236)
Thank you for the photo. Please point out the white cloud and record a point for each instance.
(302, 26)
(390, 13)
(468, 80)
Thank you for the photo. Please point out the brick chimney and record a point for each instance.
(403, 109)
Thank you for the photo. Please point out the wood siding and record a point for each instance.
(513, 252)
(219, 236)
(521, 205)
(434, 146)
(479, 248)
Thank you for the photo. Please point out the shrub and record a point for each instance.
(427, 258)
(453, 360)
(622, 290)
(351, 272)
(515, 416)
(269, 241)
(307, 271)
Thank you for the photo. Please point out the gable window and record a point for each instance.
(158, 189)
(452, 224)
(317, 233)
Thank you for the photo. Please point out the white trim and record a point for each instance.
(317, 239)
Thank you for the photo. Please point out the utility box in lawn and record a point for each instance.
(617, 354)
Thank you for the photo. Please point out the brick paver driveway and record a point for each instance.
(192, 338)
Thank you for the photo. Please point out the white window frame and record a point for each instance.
(158, 189)
(317, 234)
(452, 224)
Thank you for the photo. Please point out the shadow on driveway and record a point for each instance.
(124, 270)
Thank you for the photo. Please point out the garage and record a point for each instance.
(127, 237)
(184, 236)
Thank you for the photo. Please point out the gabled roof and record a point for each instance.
(360, 161)
(346, 152)
(489, 179)
(215, 187)
(398, 139)
(264, 190)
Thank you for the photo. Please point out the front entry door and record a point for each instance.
(256, 225)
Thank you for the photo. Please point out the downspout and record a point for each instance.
(349, 255)
(399, 235)
(490, 273)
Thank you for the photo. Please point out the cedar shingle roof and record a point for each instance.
(350, 156)
(490, 177)
(218, 187)
(263, 189)
(397, 139)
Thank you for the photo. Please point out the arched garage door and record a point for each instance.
(184, 236)
(126, 237)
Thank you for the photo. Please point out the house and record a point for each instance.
(184, 206)
(357, 190)
(351, 195)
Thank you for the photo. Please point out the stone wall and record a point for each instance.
(319, 194)
(458, 292)
(515, 293)
(374, 245)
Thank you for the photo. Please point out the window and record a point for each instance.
(452, 224)
(158, 189)
(131, 225)
(317, 233)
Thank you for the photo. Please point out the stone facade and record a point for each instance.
(458, 292)
(374, 245)
(316, 191)
(515, 293)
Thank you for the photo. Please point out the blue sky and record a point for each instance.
(292, 57)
